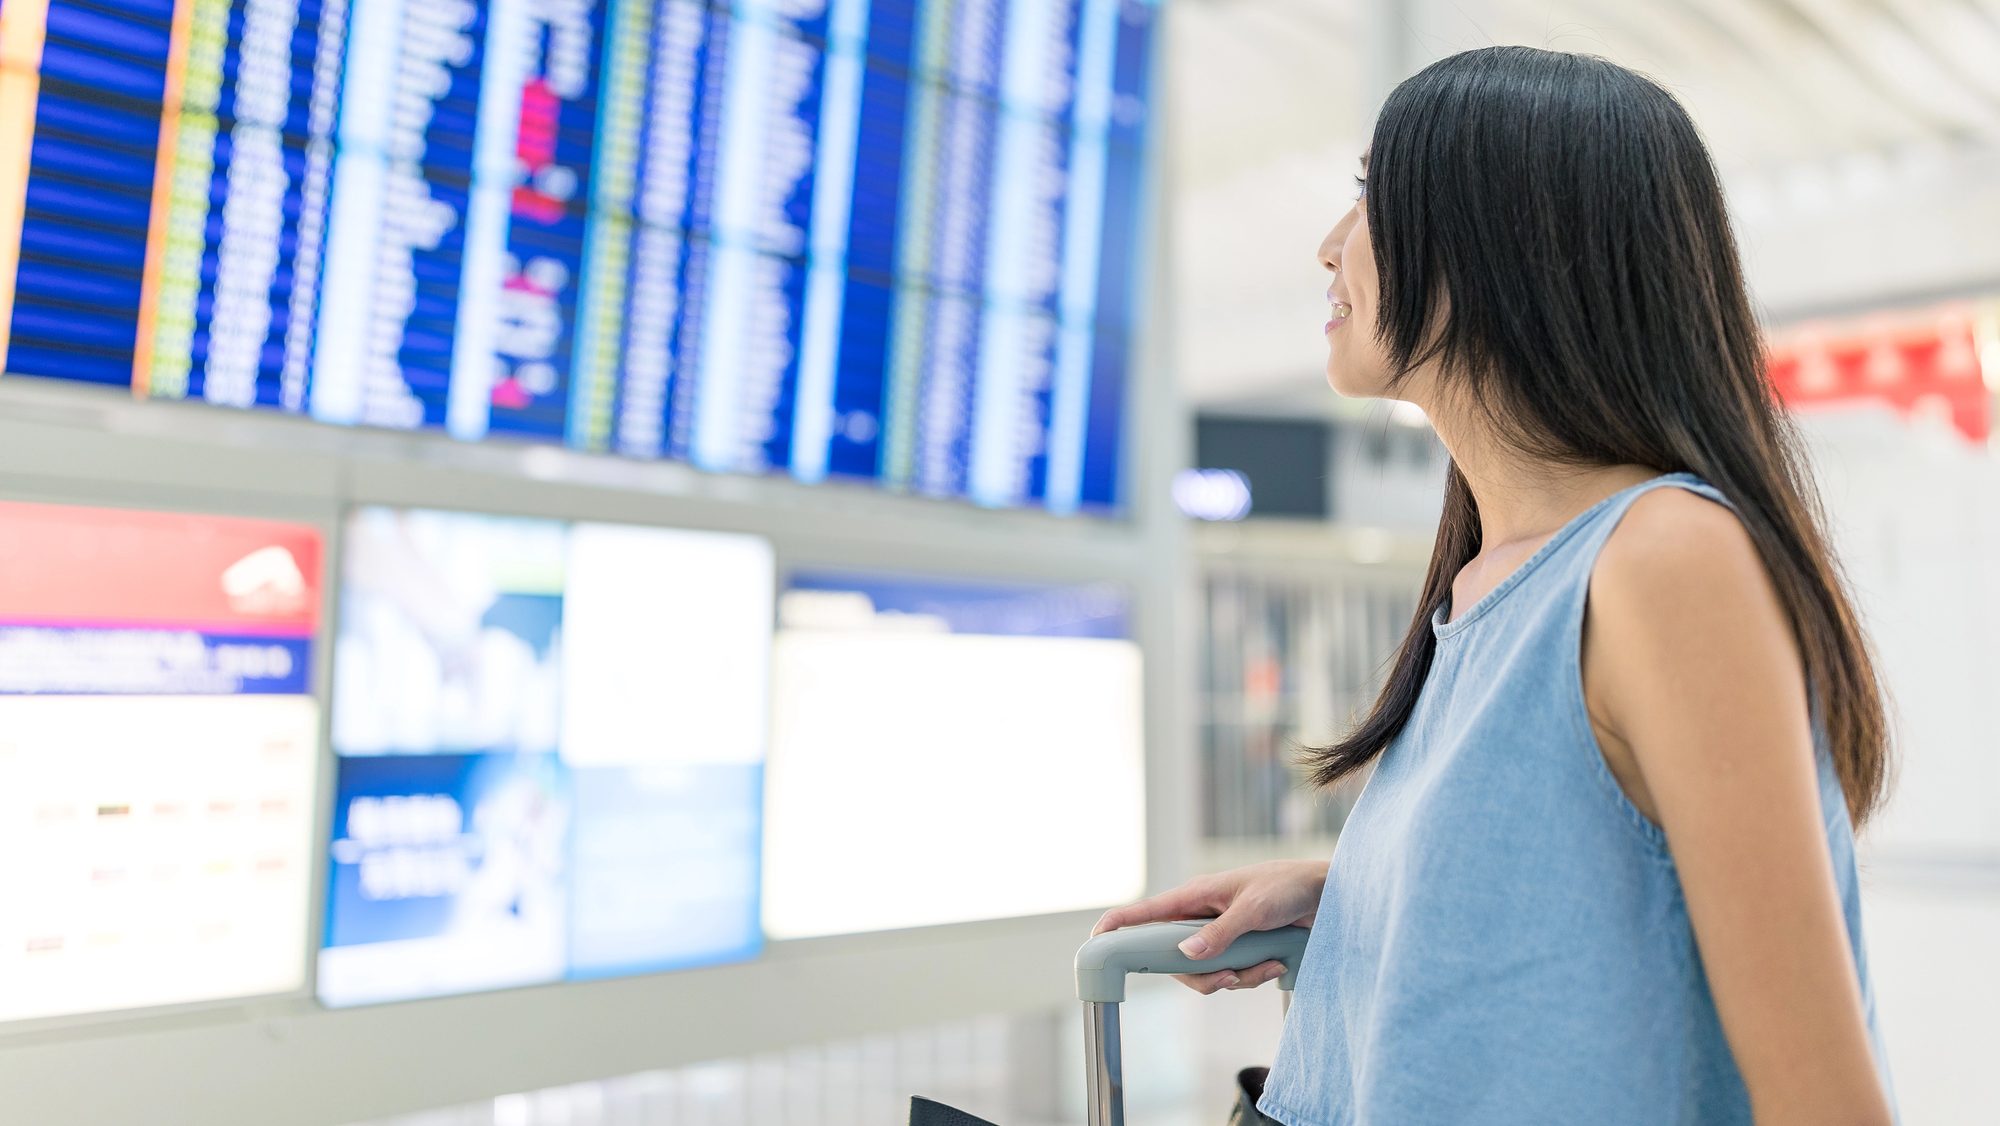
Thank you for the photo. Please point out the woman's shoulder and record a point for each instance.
(1673, 544)
(1680, 580)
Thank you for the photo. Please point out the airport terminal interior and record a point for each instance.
(661, 562)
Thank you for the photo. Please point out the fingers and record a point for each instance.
(1179, 903)
(1211, 983)
(1213, 939)
(1259, 974)
(1208, 984)
(1132, 914)
(1110, 921)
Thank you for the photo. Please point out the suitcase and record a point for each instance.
(1101, 968)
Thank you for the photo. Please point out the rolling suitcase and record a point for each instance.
(1101, 967)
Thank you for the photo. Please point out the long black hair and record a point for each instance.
(1550, 231)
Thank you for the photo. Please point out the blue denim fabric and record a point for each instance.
(1503, 938)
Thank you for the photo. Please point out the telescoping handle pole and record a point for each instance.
(1103, 962)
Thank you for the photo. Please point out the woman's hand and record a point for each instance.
(1261, 897)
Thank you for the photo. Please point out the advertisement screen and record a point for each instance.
(884, 240)
(157, 757)
(943, 752)
(550, 743)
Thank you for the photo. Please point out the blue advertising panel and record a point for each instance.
(550, 747)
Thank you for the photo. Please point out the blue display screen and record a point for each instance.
(885, 240)
(993, 609)
(550, 756)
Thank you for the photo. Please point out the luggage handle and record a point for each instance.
(1103, 963)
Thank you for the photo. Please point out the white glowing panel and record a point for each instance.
(669, 636)
(945, 753)
(155, 850)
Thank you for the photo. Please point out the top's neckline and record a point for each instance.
(1444, 629)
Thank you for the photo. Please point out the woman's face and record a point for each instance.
(1356, 363)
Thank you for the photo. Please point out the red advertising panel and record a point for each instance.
(102, 567)
(1920, 363)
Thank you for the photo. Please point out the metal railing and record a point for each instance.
(1294, 643)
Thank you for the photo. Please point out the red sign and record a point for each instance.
(61, 565)
(1919, 363)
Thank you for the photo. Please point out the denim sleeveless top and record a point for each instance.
(1502, 938)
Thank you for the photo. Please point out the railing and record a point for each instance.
(858, 1081)
(1297, 626)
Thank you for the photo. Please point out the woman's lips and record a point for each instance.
(1340, 310)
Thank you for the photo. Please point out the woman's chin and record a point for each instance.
(1343, 382)
(1368, 382)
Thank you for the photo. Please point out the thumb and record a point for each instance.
(1214, 938)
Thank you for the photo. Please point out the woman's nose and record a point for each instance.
(1329, 247)
(1337, 239)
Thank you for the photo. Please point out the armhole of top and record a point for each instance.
(1648, 829)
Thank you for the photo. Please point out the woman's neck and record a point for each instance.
(1522, 498)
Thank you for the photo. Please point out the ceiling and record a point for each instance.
(1859, 142)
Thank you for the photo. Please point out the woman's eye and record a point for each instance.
(1360, 186)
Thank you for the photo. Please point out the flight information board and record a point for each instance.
(887, 240)
(158, 757)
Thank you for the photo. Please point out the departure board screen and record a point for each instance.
(883, 240)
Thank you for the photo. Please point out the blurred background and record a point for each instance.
(641, 561)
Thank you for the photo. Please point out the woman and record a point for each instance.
(1603, 869)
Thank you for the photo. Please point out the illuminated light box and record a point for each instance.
(551, 742)
(157, 757)
(828, 239)
(944, 752)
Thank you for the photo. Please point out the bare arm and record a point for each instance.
(1697, 688)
